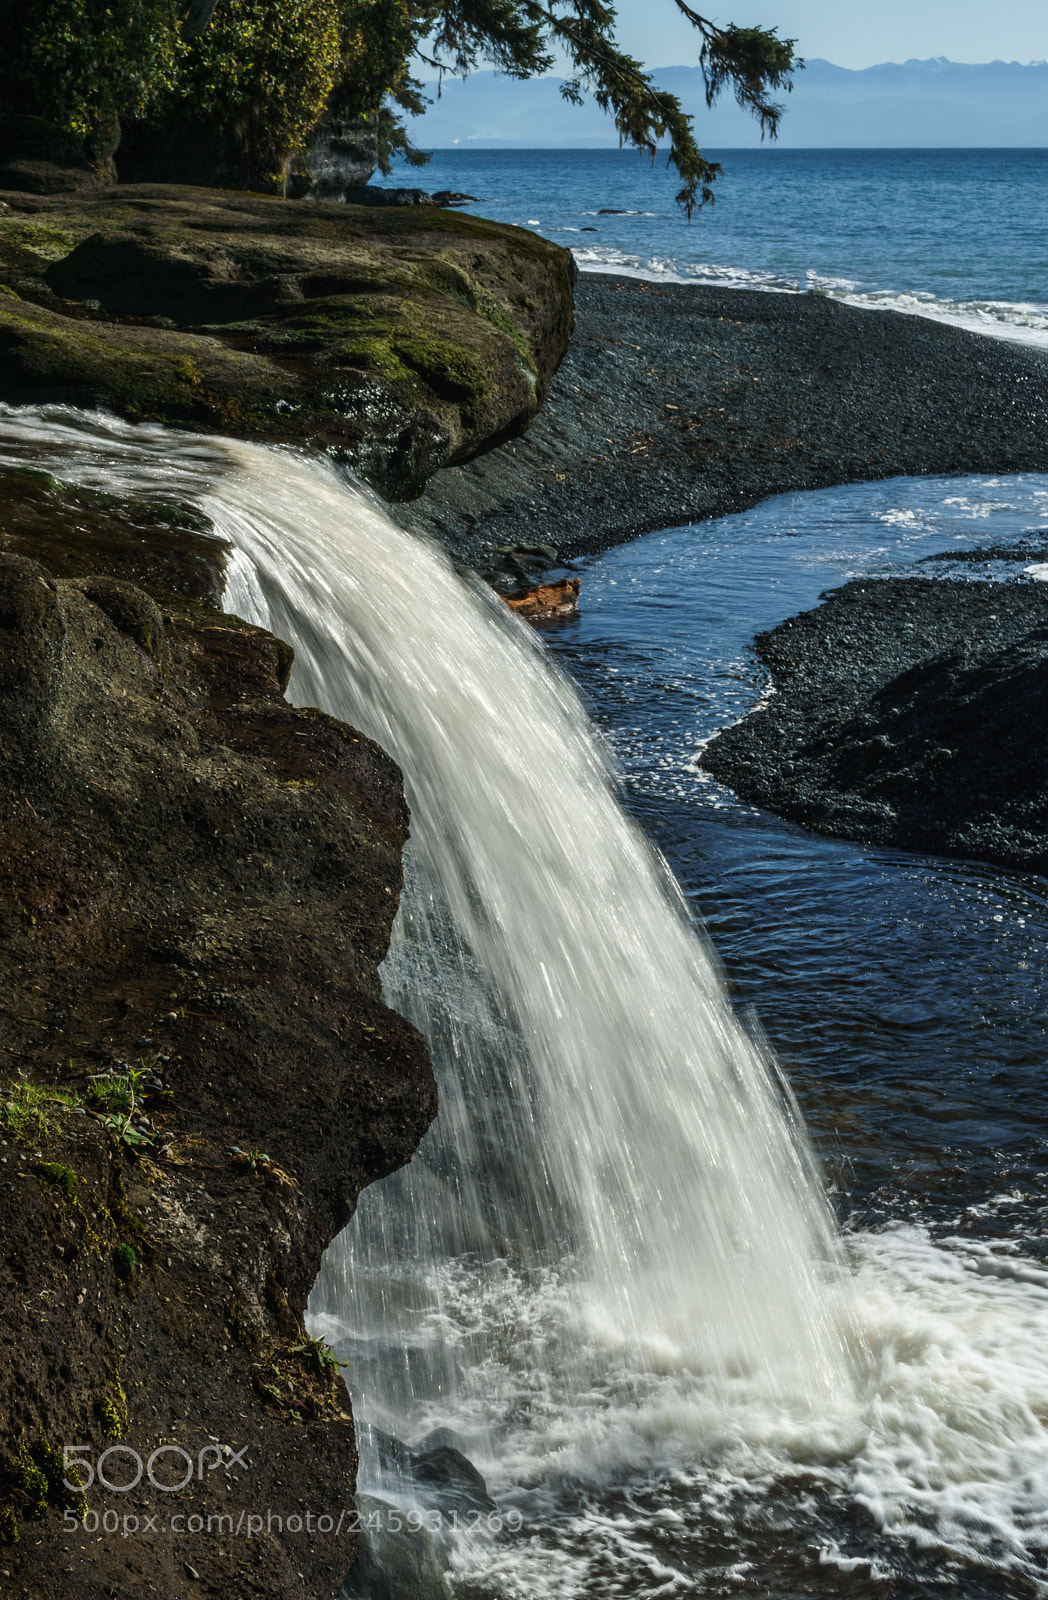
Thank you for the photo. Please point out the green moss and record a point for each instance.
(8, 1526)
(111, 1411)
(376, 355)
(25, 1482)
(49, 242)
(142, 382)
(450, 279)
(453, 373)
(125, 1260)
(64, 1179)
(30, 1481)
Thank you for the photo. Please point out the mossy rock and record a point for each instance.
(38, 158)
(398, 340)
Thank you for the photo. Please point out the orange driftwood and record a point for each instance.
(537, 602)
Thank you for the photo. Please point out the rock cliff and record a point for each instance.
(197, 1072)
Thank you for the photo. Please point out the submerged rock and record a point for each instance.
(397, 1561)
(454, 1481)
(197, 1077)
(398, 338)
(907, 712)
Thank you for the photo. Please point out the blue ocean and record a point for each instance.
(959, 235)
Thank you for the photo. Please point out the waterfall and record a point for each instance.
(604, 1116)
(598, 1098)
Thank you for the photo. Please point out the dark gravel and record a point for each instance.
(908, 712)
(676, 403)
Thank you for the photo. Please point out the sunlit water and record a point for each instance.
(609, 1272)
(956, 235)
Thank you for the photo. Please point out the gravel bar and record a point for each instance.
(908, 712)
(675, 403)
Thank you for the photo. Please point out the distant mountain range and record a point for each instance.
(915, 103)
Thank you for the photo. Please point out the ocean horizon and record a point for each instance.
(959, 235)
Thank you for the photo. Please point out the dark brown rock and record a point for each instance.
(80, 533)
(197, 1077)
(36, 158)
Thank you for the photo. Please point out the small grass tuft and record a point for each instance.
(28, 1110)
(64, 1179)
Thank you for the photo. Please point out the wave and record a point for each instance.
(1016, 321)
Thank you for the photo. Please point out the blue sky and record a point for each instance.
(852, 33)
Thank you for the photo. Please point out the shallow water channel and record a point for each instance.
(905, 995)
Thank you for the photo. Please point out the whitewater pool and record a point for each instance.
(906, 997)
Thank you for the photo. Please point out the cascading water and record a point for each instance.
(598, 1097)
(610, 1263)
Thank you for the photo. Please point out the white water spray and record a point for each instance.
(599, 1099)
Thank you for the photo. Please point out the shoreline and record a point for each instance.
(676, 403)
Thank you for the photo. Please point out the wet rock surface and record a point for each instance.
(77, 533)
(381, 195)
(197, 1076)
(678, 402)
(397, 338)
(906, 712)
(397, 1561)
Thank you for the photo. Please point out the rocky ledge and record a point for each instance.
(197, 1077)
(400, 340)
(906, 712)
